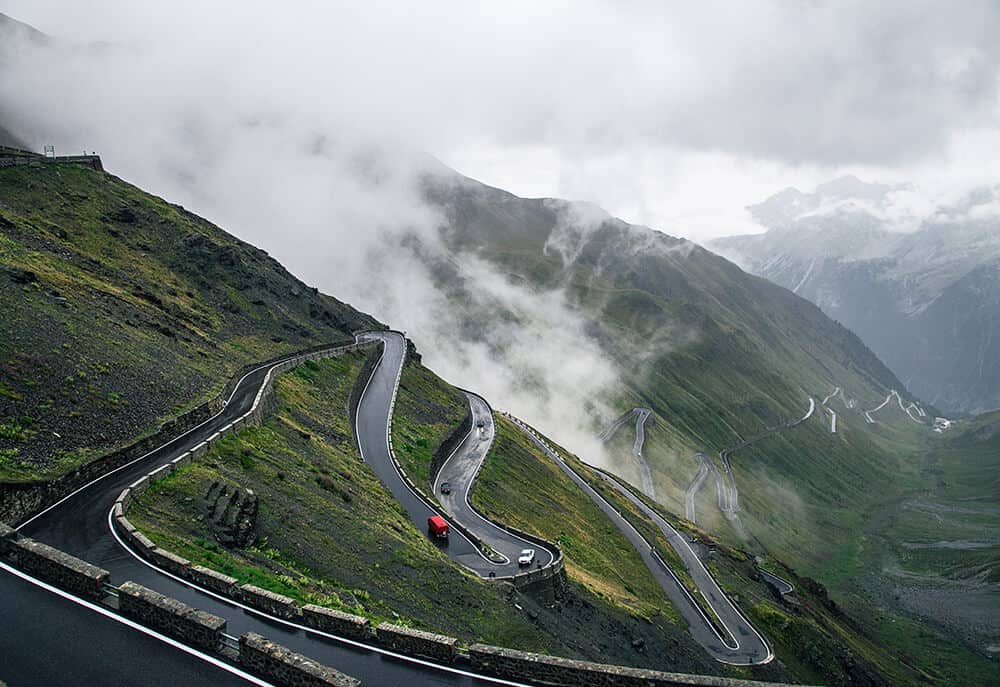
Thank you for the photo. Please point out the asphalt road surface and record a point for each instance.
(57, 641)
(743, 645)
(460, 471)
(80, 525)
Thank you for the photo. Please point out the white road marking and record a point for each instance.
(136, 626)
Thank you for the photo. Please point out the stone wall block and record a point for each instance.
(214, 581)
(336, 622)
(269, 602)
(170, 616)
(286, 667)
(417, 643)
(60, 569)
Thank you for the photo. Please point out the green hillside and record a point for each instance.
(129, 310)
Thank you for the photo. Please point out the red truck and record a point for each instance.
(437, 526)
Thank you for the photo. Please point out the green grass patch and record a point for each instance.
(427, 411)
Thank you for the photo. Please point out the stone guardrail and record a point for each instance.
(165, 614)
(172, 617)
(286, 667)
(19, 501)
(15, 160)
(511, 664)
(418, 643)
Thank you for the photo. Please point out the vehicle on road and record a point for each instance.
(437, 527)
(527, 557)
(445, 487)
(480, 424)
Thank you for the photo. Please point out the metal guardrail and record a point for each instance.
(110, 590)
(228, 641)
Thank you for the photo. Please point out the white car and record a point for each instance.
(527, 557)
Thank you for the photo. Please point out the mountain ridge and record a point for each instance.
(925, 299)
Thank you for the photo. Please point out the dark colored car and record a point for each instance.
(445, 487)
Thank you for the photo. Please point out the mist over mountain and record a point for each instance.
(552, 309)
(922, 289)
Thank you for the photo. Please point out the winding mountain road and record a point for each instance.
(641, 415)
(728, 492)
(372, 429)
(908, 409)
(705, 467)
(742, 643)
(80, 525)
(460, 471)
(783, 586)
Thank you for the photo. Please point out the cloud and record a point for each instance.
(669, 115)
(336, 197)
(303, 128)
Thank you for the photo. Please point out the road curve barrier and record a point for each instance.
(204, 631)
(511, 664)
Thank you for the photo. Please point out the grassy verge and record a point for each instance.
(520, 486)
(427, 411)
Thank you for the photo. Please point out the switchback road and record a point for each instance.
(641, 415)
(741, 643)
(80, 525)
(459, 472)
(372, 428)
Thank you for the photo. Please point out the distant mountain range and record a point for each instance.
(926, 299)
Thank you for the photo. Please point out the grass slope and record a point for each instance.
(427, 411)
(936, 549)
(122, 310)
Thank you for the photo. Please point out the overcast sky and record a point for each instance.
(674, 115)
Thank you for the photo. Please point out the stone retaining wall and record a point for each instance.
(171, 616)
(287, 667)
(451, 442)
(269, 602)
(336, 622)
(61, 569)
(8, 535)
(362, 381)
(14, 160)
(212, 580)
(550, 670)
(417, 643)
